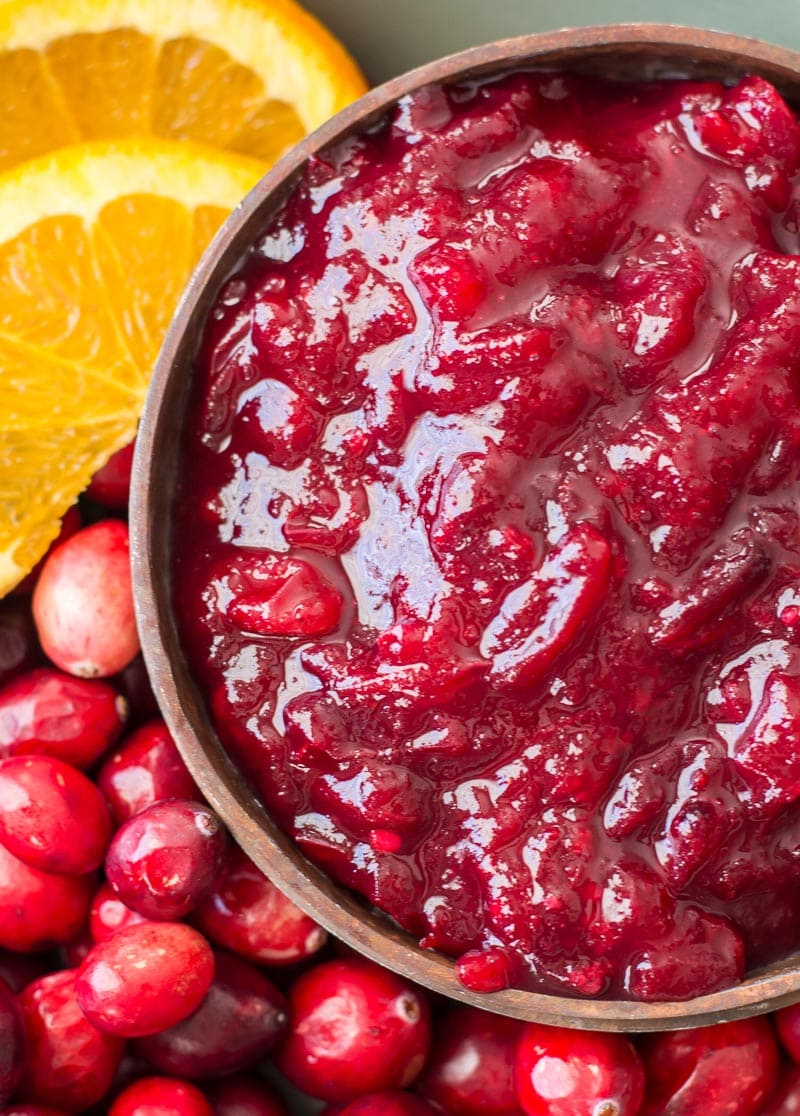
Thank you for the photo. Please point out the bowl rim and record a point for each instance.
(334, 907)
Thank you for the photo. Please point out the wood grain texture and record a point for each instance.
(623, 51)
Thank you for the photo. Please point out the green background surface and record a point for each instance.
(389, 36)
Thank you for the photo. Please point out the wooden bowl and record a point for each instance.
(631, 51)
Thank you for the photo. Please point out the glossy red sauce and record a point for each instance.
(487, 548)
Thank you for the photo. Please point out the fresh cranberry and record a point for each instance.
(51, 815)
(727, 1070)
(38, 909)
(248, 914)
(787, 1023)
(238, 1022)
(68, 1062)
(134, 685)
(145, 978)
(19, 969)
(245, 1095)
(143, 770)
(355, 1028)
(12, 1055)
(71, 523)
(49, 713)
(392, 1102)
(108, 914)
(577, 1073)
(470, 1071)
(83, 602)
(111, 484)
(166, 859)
(19, 644)
(784, 1100)
(161, 1096)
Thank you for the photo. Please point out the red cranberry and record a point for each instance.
(785, 1099)
(245, 1095)
(69, 1063)
(38, 909)
(726, 1070)
(355, 1028)
(161, 1096)
(83, 603)
(577, 1073)
(470, 1071)
(108, 914)
(787, 1023)
(12, 1055)
(163, 861)
(238, 1022)
(49, 713)
(51, 815)
(19, 644)
(111, 484)
(19, 969)
(393, 1102)
(145, 978)
(248, 914)
(143, 770)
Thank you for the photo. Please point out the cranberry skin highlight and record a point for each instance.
(160, 1096)
(83, 602)
(146, 768)
(69, 1063)
(38, 909)
(354, 1028)
(145, 978)
(12, 1053)
(470, 1069)
(577, 1073)
(52, 816)
(237, 1024)
(249, 915)
(46, 712)
(245, 1095)
(163, 861)
(111, 484)
(727, 1070)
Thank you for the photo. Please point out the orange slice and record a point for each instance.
(96, 244)
(252, 76)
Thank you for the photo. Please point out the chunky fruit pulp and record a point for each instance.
(487, 540)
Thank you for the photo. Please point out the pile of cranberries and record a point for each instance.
(149, 968)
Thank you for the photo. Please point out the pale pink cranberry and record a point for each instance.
(784, 1100)
(71, 523)
(83, 602)
(19, 644)
(12, 1053)
(144, 769)
(145, 978)
(111, 484)
(69, 1063)
(108, 914)
(237, 1024)
(248, 914)
(245, 1095)
(470, 1070)
(355, 1028)
(161, 1096)
(165, 860)
(52, 816)
(577, 1073)
(726, 1070)
(49, 713)
(38, 909)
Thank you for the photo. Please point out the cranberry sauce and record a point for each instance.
(488, 544)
